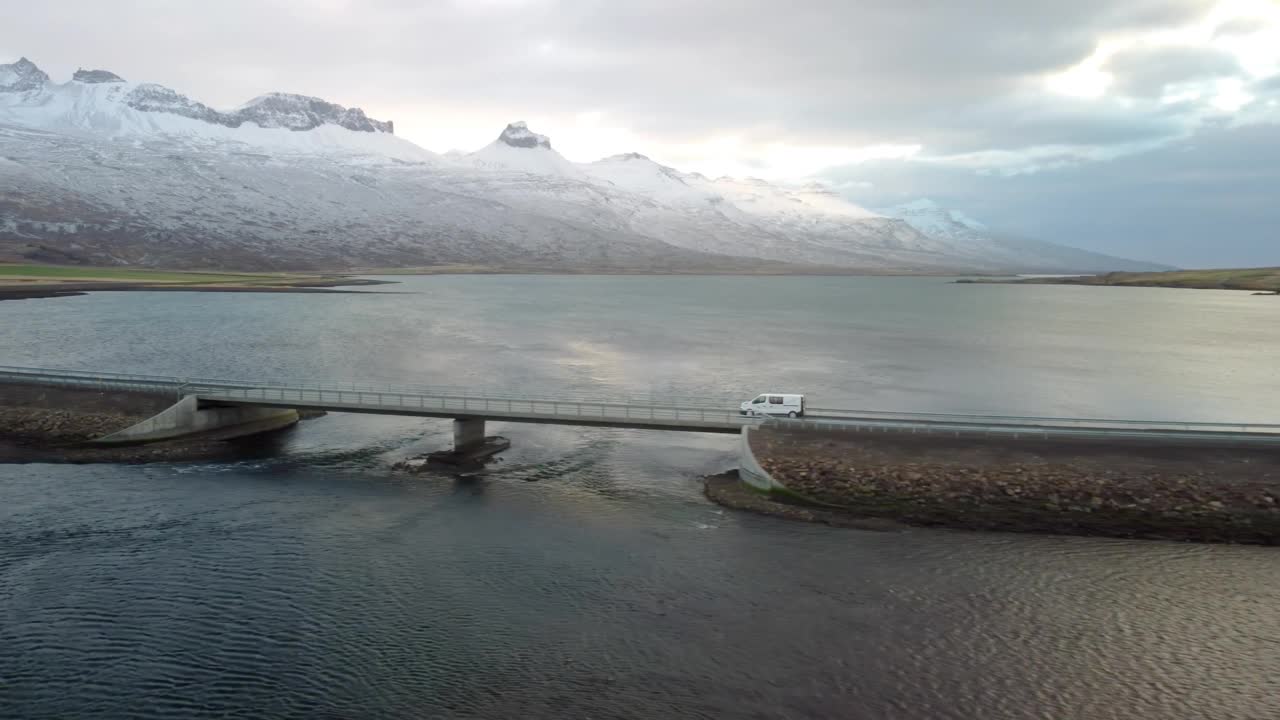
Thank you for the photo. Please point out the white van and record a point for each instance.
(774, 404)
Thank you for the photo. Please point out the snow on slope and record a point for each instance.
(118, 172)
(760, 197)
(519, 150)
(154, 202)
(102, 104)
(928, 217)
(636, 173)
(809, 224)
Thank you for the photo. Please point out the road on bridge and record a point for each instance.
(707, 416)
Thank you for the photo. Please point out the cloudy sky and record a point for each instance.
(1147, 128)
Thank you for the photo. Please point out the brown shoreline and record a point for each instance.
(777, 270)
(31, 291)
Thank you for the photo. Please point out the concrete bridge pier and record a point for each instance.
(468, 434)
(470, 446)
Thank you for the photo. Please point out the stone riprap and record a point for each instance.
(1124, 489)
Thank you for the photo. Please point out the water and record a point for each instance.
(584, 575)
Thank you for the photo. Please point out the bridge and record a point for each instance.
(207, 404)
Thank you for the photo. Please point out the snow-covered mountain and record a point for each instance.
(665, 185)
(102, 104)
(752, 217)
(972, 241)
(102, 170)
(519, 150)
(928, 217)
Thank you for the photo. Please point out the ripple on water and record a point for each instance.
(318, 583)
(306, 592)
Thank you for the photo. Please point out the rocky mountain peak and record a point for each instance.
(96, 76)
(301, 112)
(276, 110)
(517, 134)
(158, 98)
(22, 76)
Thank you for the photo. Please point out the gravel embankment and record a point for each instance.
(1215, 494)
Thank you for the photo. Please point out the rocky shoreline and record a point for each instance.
(1080, 488)
(727, 489)
(55, 425)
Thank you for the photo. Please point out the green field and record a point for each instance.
(1261, 279)
(1265, 279)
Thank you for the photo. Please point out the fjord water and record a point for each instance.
(584, 575)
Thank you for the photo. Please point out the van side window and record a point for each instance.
(758, 400)
(775, 400)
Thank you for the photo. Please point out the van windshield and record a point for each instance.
(758, 400)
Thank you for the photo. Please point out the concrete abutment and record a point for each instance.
(187, 417)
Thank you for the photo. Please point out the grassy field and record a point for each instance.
(1262, 279)
(1265, 279)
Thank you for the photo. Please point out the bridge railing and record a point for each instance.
(464, 405)
(364, 396)
(1029, 421)
(79, 378)
(142, 381)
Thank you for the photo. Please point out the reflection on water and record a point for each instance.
(878, 343)
(584, 575)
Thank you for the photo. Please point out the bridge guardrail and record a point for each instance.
(465, 405)
(382, 396)
(685, 401)
(1031, 422)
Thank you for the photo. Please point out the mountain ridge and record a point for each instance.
(291, 180)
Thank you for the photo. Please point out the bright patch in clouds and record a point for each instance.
(731, 154)
(1087, 80)
(589, 136)
(1246, 30)
(1258, 51)
(1256, 48)
(1231, 95)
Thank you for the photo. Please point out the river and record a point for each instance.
(584, 575)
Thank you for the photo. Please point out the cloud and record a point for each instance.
(833, 72)
(1240, 26)
(1147, 72)
(972, 93)
(1205, 201)
(1268, 85)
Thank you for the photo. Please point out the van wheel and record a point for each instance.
(791, 414)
